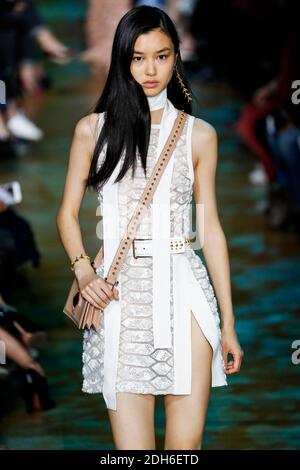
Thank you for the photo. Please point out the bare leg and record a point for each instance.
(133, 422)
(18, 353)
(186, 414)
(11, 109)
(37, 338)
(100, 40)
(4, 133)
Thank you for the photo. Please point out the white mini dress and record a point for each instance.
(143, 344)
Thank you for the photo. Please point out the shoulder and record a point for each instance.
(203, 131)
(204, 139)
(86, 131)
(87, 126)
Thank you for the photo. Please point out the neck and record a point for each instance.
(158, 101)
(156, 105)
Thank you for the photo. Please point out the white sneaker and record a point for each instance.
(20, 126)
(258, 175)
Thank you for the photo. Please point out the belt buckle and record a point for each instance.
(177, 245)
(134, 248)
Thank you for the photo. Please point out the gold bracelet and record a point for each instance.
(82, 256)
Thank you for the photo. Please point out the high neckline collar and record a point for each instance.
(158, 101)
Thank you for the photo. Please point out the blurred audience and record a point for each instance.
(181, 12)
(270, 125)
(17, 246)
(99, 39)
(20, 27)
(259, 56)
(19, 334)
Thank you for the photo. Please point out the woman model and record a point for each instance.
(160, 329)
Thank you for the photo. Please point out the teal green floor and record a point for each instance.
(260, 409)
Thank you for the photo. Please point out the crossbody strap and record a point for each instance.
(145, 199)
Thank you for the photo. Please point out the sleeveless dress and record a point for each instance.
(139, 366)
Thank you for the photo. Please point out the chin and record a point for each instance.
(152, 91)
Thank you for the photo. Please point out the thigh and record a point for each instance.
(132, 422)
(187, 413)
(15, 349)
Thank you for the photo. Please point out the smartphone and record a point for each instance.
(10, 193)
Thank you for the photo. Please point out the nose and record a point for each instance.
(150, 68)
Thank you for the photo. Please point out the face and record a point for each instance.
(153, 61)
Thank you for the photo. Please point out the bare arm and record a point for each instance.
(75, 187)
(214, 245)
(67, 219)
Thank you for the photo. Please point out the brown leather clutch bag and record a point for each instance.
(78, 309)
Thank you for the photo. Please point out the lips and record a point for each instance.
(150, 84)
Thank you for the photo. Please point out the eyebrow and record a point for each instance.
(161, 50)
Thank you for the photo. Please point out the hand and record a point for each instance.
(93, 287)
(52, 46)
(231, 345)
(264, 93)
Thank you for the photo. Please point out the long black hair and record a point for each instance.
(127, 115)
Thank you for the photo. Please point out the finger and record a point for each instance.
(225, 357)
(116, 293)
(104, 296)
(98, 289)
(107, 289)
(230, 369)
(238, 358)
(103, 291)
(89, 299)
(236, 366)
(99, 302)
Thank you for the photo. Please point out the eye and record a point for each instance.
(162, 55)
(138, 57)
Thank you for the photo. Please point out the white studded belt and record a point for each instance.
(142, 247)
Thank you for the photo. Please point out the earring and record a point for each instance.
(187, 94)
